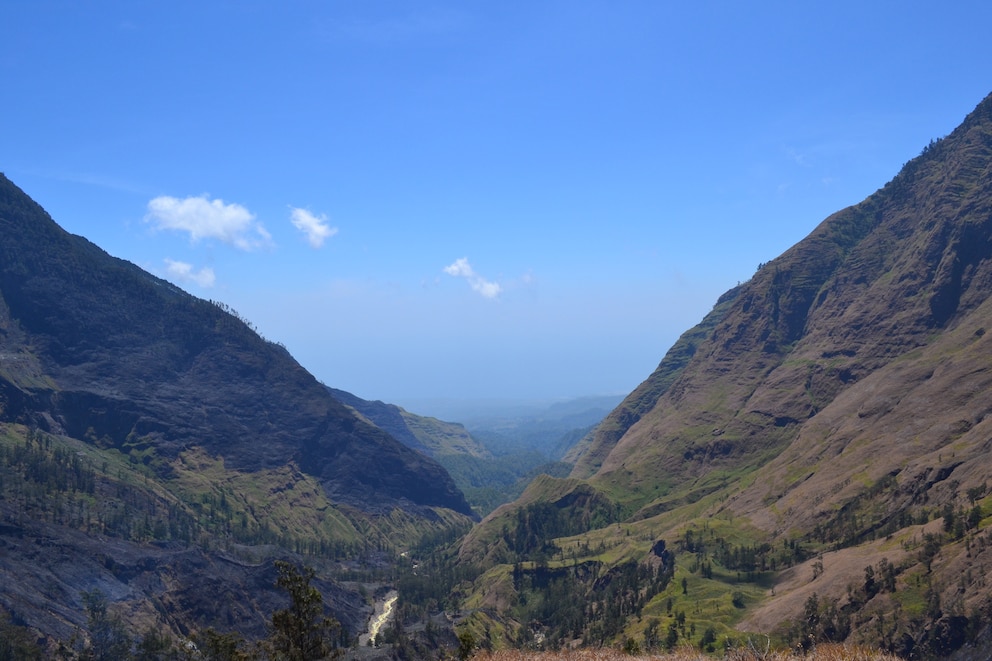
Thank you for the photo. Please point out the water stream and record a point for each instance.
(380, 617)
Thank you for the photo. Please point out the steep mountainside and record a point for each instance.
(869, 286)
(154, 447)
(96, 347)
(825, 424)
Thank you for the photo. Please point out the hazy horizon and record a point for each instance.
(513, 201)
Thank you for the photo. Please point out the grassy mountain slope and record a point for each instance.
(824, 427)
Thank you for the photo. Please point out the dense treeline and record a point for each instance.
(44, 478)
(585, 601)
(748, 560)
(48, 481)
(537, 525)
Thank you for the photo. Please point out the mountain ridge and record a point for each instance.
(103, 331)
(827, 412)
(155, 448)
(793, 292)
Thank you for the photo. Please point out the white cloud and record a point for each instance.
(316, 229)
(203, 218)
(184, 273)
(462, 269)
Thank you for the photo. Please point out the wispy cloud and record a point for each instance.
(185, 273)
(799, 158)
(462, 269)
(109, 182)
(315, 228)
(204, 218)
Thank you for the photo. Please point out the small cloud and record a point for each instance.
(316, 229)
(797, 157)
(184, 273)
(204, 218)
(462, 269)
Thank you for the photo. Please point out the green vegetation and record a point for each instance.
(104, 491)
(488, 482)
(301, 632)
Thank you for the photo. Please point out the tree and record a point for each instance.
(302, 631)
(466, 644)
(155, 645)
(16, 642)
(215, 646)
(109, 639)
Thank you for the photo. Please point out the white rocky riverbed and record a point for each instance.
(380, 617)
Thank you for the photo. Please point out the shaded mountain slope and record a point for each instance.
(97, 348)
(175, 554)
(428, 435)
(155, 448)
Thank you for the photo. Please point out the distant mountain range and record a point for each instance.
(508, 445)
(827, 424)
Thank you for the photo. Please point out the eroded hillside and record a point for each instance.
(824, 425)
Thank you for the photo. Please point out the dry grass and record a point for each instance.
(821, 653)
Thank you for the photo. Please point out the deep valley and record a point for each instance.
(808, 465)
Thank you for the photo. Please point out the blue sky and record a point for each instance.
(517, 200)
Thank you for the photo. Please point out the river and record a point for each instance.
(380, 617)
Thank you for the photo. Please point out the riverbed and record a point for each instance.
(380, 617)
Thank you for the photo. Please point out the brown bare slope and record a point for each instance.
(829, 414)
(869, 285)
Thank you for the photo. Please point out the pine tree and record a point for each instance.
(301, 632)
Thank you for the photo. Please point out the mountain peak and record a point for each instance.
(128, 358)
